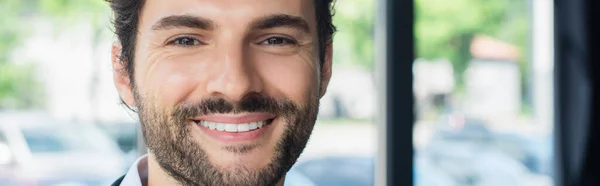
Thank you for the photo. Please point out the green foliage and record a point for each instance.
(445, 29)
(9, 27)
(18, 85)
(68, 9)
(66, 12)
(12, 92)
(353, 43)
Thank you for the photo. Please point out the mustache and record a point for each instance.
(250, 103)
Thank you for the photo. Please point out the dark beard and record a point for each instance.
(169, 140)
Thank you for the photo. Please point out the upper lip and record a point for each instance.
(236, 118)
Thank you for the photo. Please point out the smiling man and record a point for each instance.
(227, 91)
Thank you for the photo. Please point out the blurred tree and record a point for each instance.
(96, 14)
(18, 85)
(444, 29)
(10, 30)
(354, 42)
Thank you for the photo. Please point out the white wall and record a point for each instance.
(493, 89)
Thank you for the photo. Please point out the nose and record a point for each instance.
(236, 76)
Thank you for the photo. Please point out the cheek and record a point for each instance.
(172, 79)
(294, 77)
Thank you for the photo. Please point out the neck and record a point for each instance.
(158, 177)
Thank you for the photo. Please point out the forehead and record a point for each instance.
(225, 11)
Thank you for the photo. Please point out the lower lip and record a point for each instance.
(231, 137)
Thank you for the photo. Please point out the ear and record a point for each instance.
(120, 76)
(326, 68)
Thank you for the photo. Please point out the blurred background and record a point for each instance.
(482, 88)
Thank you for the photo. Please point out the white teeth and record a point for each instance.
(230, 127)
(260, 124)
(253, 125)
(244, 127)
(220, 126)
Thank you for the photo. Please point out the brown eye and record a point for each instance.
(186, 42)
(278, 41)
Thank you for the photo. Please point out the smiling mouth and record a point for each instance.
(234, 128)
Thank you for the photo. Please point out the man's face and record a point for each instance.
(227, 90)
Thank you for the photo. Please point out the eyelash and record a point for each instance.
(287, 41)
(179, 39)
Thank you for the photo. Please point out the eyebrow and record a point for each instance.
(280, 20)
(187, 21)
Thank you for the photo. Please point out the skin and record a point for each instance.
(229, 60)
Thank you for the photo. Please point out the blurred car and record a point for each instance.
(535, 152)
(542, 149)
(296, 178)
(124, 133)
(467, 152)
(428, 174)
(126, 136)
(360, 171)
(338, 170)
(41, 151)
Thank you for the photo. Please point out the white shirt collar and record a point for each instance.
(132, 178)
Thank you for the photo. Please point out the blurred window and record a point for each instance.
(483, 92)
(482, 85)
